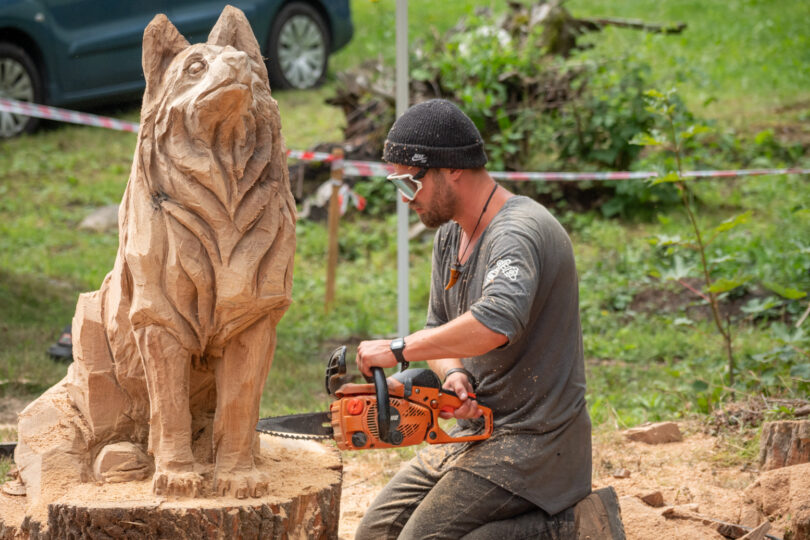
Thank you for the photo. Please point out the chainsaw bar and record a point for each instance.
(316, 426)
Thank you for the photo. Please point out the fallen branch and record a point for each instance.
(639, 25)
(729, 530)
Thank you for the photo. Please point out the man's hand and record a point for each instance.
(460, 384)
(374, 353)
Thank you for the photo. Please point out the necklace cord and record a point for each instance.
(481, 215)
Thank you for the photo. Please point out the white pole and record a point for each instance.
(402, 208)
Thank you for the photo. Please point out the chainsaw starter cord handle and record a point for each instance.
(383, 411)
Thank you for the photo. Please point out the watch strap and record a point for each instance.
(469, 375)
(397, 350)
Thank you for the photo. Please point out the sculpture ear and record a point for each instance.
(161, 43)
(233, 29)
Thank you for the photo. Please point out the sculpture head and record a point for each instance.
(209, 99)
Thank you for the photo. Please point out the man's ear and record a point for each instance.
(453, 174)
(161, 43)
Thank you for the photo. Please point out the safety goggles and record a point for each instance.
(408, 184)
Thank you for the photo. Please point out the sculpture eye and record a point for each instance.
(195, 68)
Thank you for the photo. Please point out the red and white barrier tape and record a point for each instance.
(53, 113)
(373, 168)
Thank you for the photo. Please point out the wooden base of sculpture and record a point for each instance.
(304, 502)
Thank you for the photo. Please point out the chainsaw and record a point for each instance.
(401, 411)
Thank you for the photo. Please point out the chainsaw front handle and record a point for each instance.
(449, 402)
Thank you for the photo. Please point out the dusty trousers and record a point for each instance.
(419, 504)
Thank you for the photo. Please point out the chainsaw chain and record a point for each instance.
(296, 436)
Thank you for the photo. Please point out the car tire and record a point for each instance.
(20, 80)
(298, 48)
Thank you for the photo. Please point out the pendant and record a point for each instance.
(454, 273)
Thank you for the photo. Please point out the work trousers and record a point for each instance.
(419, 503)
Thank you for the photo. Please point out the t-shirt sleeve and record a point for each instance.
(437, 310)
(513, 271)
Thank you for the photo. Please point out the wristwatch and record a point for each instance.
(397, 346)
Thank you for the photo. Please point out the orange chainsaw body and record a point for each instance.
(414, 418)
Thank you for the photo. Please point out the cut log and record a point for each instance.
(784, 443)
(304, 502)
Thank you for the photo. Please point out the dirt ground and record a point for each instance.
(690, 474)
(695, 474)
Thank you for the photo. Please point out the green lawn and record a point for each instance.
(644, 363)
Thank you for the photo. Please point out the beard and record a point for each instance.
(442, 205)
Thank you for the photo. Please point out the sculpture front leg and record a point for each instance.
(167, 367)
(240, 377)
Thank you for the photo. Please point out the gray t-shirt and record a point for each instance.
(521, 281)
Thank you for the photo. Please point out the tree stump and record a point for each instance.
(784, 443)
(304, 503)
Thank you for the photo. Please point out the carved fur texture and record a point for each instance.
(173, 350)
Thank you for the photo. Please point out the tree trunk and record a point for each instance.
(784, 443)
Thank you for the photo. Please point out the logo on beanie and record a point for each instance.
(420, 158)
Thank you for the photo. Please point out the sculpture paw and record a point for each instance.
(241, 484)
(177, 484)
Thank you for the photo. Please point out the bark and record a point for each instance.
(784, 443)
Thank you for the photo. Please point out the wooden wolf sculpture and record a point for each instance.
(175, 347)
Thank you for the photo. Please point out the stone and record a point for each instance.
(102, 219)
(121, 462)
(654, 499)
(659, 433)
(621, 473)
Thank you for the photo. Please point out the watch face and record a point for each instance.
(398, 344)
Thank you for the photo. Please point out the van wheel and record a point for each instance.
(298, 48)
(20, 80)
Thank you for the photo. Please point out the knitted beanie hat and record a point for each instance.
(435, 134)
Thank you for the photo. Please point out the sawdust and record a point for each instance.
(294, 468)
(686, 473)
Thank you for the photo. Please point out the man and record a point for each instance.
(503, 323)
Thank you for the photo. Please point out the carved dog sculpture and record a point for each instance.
(203, 274)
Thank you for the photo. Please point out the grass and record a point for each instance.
(741, 60)
(642, 365)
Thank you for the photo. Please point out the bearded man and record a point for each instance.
(502, 327)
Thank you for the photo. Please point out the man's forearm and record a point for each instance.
(462, 337)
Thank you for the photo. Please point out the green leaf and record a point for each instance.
(645, 139)
(670, 177)
(785, 292)
(679, 270)
(801, 371)
(699, 386)
(666, 240)
(683, 321)
(760, 305)
(724, 285)
(732, 222)
(693, 130)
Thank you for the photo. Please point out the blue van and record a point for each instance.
(71, 53)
